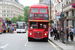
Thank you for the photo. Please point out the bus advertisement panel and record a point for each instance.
(1, 25)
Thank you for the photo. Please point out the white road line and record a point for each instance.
(53, 45)
(26, 43)
(4, 46)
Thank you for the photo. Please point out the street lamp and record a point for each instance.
(50, 9)
(50, 17)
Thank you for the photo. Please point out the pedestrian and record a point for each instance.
(8, 30)
(72, 29)
(67, 32)
(55, 33)
(51, 32)
(58, 33)
(71, 35)
(12, 29)
(4, 31)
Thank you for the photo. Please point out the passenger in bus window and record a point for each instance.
(41, 25)
(44, 26)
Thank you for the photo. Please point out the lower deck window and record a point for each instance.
(33, 24)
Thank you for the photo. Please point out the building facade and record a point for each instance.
(47, 2)
(69, 11)
(57, 9)
(10, 8)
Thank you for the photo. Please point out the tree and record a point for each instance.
(14, 20)
(6, 18)
(26, 13)
(51, 21)
(20, 18)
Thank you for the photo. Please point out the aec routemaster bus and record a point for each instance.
(38, 23)
(1, 25)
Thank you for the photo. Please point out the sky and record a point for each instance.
(28, 2)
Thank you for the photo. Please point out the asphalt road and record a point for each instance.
(19, 41)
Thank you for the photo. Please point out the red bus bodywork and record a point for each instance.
(1, 25)
(38, 22)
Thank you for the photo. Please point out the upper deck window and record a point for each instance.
(34, 10)
(43, 10)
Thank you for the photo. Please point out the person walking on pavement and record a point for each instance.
(72, 29)
(67, 31)
(8, 30)
(58, 33)
(55, 33)
(71, 35)
(51, 32)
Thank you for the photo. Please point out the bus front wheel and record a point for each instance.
(29, 39)
(0, 33)
(46, 39)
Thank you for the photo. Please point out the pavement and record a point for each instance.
(69, 46)
(19, 41)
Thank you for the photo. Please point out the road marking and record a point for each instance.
(26, 43)
(53, 45)
(4, 46)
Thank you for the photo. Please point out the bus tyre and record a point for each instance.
(46, 39)
(0, 33)
(29, 39)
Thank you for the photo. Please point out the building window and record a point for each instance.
(8, 15)
(3, 7)
(3, 2)
(3, 15)
(67, 23)
(8, 7)
(11, 15)
(11, 11)
(8, 11)
(3, 11)
(11, 0)
(72, 12)
(66, 3)
(11, 7)
(73, 23)
(66, 13)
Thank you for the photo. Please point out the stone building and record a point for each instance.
(10, 8)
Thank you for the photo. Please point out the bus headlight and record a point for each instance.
(30, 33)
(45, 34)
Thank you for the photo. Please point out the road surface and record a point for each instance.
(19, 41)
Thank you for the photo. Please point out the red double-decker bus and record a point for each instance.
(38, 22)
(1, 25)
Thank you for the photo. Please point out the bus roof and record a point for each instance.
(39, 6)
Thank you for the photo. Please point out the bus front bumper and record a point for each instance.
(39, 38)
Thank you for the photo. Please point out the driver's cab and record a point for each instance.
(39, 25)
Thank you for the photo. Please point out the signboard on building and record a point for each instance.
(55, 10)
(73, 5)
(58, 14)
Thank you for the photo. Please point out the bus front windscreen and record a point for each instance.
(20, 25)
